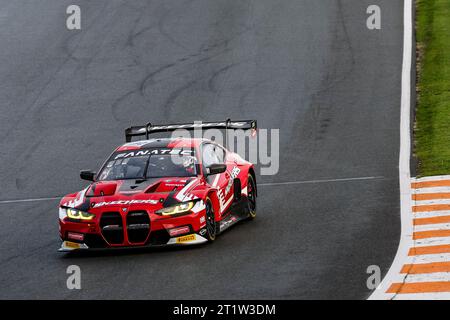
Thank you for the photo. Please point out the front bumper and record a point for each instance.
(190, 239)
(119, 231)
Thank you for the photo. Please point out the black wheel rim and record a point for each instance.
(210, 223)
(251, 196)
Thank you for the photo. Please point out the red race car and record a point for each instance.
(165, 191)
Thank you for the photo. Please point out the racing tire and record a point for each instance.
(251, 197)
(211, 226)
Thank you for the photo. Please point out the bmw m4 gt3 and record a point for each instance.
(162, 191)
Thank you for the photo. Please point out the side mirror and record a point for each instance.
(87, 175)
(216, 169)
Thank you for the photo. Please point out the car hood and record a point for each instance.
(152, 192)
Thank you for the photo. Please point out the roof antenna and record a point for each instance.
(227, 123)
(148, 127)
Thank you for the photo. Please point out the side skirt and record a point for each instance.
(237, 212)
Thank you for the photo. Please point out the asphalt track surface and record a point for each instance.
(310, 68)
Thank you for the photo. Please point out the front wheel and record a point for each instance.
(210, 221)
(251, 197)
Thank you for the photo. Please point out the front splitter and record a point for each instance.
(190, 239)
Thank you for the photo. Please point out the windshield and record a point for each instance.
(149, 166)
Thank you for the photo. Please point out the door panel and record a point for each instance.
(211, 154)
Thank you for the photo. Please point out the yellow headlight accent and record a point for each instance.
(179, 208)
(79, 215)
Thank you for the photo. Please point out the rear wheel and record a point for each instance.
(251, 197)
(210, 221)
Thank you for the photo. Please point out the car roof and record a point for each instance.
(163, 143)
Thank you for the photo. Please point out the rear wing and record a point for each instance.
(148, 129)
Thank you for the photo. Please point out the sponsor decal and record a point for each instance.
(75, 236)
(73, 245)
(175, 182)
(202, 232)
(177, 231)
(190, 237)
(233, 175)
(202, 219)
(222, 194)
(225, 224)
(124, 202)
(137, 153)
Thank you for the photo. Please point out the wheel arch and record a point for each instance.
(251, 171)
(212, 194)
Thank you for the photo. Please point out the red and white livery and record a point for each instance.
(165, 191)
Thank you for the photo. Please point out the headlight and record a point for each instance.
(176, 209)
(79, 215)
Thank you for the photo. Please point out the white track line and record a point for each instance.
(259, 185)
(28, 200)
(318, 181)
(404, 159)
